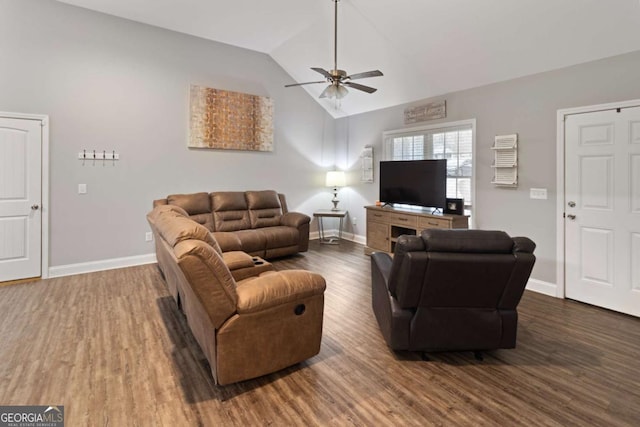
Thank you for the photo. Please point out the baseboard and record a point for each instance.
(534, 285)
(107, 264)
(542, 287)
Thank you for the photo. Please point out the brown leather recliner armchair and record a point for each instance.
(451, 290)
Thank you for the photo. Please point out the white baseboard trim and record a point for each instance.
(542, 287)
(534, 285)
(107, 264)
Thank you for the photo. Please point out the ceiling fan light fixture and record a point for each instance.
(341, 91)
(334, 91)
(326, 92)
(336, 77)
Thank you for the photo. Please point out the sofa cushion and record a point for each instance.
(175, 228)
(197, 205)
(280, 236)
(253, 241)
(166, 209)
(276, 288)
(227, 240)
(264, 208)
(229, 211)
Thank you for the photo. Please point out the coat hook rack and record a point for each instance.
(98, 155)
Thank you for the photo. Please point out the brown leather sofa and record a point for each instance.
(256, 222)
(247, 327)
(451, 290)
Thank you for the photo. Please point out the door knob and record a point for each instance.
(572, 204)
(35, 207)
(571, 217)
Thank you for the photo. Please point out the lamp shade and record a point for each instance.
(335, 179)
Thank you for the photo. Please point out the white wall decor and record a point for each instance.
(505, 164)
(367, 164)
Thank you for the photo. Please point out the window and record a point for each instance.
(453, 142)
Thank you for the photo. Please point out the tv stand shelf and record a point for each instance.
(386, 224)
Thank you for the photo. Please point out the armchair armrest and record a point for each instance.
(275, 288)
(294, 219)
(381, 264)
(523, 244)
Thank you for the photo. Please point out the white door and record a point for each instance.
(602, 205)
(20, 198)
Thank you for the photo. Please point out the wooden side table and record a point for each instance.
(328, 213)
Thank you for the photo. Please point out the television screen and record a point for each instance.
(414, 182)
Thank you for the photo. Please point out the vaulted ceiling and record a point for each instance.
(425, 48)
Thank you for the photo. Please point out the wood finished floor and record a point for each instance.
(114, 350)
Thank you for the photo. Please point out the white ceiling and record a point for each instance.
(425, 48)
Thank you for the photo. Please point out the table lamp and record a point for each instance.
(335, 179)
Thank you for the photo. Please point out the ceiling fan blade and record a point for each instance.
(301, 84)
(374, 73)
(360, 87)
(323, 72)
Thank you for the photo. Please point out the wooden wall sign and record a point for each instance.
(431, 111)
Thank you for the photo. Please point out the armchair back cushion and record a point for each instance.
(197, 206)
(175, 228)
(230, 211)
(264, 208)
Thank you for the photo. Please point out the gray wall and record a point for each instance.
(112, 84)
(526, 106)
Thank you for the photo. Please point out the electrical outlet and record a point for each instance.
(148, 236)
(353, 221)
(538, 193)
(82, 188)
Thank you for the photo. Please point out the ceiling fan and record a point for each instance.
(336, 78)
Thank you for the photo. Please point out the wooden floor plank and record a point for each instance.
(113, 348)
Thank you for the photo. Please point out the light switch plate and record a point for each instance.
(82, 188)
(538, 193)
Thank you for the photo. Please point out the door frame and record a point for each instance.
(44, 167)
(560, 181)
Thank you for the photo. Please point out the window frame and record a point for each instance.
(387, 147)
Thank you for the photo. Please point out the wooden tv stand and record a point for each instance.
(386, 224)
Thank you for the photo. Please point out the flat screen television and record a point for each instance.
(414, 182)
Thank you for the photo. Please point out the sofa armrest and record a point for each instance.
(294, 219)
(237, 259)
(275, 288)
